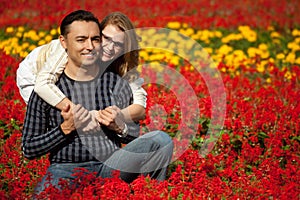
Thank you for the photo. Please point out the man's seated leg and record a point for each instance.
(149, 154)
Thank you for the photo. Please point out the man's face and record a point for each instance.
(112, 43)
(83, 43)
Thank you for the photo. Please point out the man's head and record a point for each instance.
(80, 36)
(78, 15)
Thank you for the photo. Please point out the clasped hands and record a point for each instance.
(76, 117)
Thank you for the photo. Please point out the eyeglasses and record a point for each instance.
(109, 40)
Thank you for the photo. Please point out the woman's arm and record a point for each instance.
(53, 66)
(137, 110)
(26, 73)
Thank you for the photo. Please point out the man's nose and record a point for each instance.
(90, 44)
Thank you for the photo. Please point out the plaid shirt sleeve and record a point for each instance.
(37, 139)
(122, 97)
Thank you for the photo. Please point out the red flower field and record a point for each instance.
(236, 131)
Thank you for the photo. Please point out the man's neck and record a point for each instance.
(83, 73)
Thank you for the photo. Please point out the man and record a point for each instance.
(60, 134)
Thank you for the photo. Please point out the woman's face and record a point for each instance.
(112, 43)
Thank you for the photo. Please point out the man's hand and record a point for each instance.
(92, 124)
(77, 117)
(112, 117)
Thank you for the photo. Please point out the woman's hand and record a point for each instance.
(112, 117)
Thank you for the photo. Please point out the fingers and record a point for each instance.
(92, 125)
(66, 108)
(105, 117)
(81, 115)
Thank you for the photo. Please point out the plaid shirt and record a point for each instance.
(42, 133)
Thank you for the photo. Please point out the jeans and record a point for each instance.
(149, 154)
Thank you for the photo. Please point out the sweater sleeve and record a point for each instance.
(49, 74)
(26, 73)
(139, 94)
(37, 138)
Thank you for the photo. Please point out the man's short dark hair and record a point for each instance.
(78, 15)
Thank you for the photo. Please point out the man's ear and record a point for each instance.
(63, 42)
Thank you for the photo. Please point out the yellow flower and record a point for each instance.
(293, 46)
(238, 36)
(173, 25)
(32, 35)
(263, 46)
(31, 47)
(23, 54)
(53, 31)
(261, 66)
(265, 54)
(223, 69)
(208, 50)
(252, 37)
(48, 38)
(275, 35)
(175, 60)
(218, 34)
(290, 58)
(271, 60)
(21, 29)
(143, 54)
(195, 37)
(189, 31)
(239, 53)
(288, 75)
(252, 52)
(9, 29)
(296, 32)
(185, 25)
(225, 49)
(268, 80)
(276, 41)
(25, 45)
(270, 28)
(41, 34)
(280, 56)
(270, 68)
(297, 61)
(244, 28)
(157, 66)
(41, 42)
(19, 34)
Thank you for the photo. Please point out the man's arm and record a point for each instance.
(37, 139)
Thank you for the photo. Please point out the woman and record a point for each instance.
(121, 56)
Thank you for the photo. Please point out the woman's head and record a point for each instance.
(119, 43)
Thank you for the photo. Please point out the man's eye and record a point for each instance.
(97, 40)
